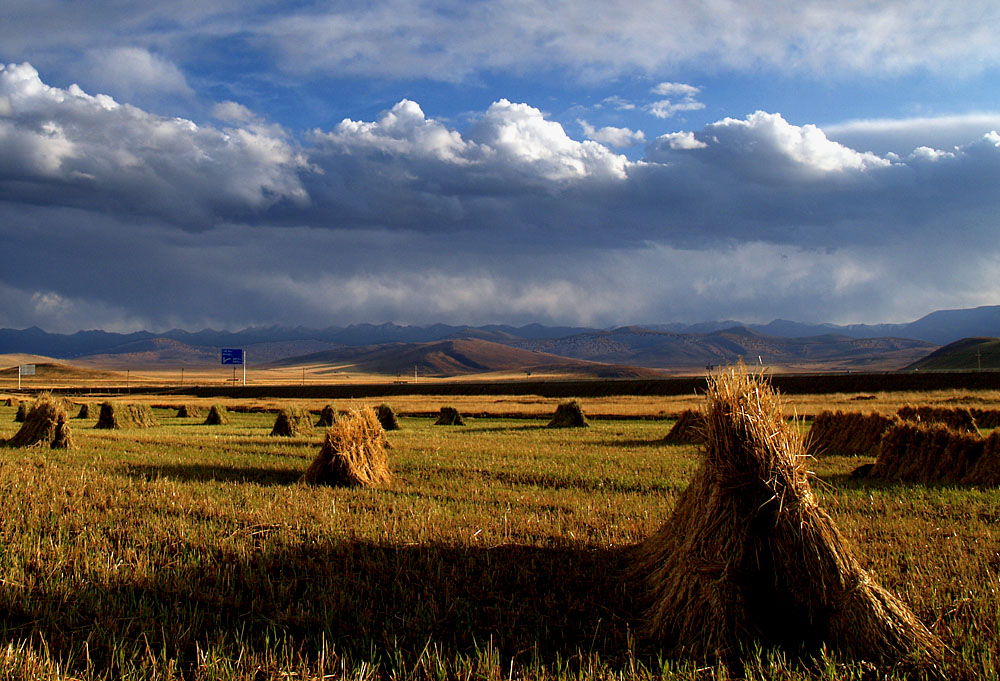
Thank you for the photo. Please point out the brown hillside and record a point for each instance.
(457, 358)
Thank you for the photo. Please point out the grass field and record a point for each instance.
(500, 550)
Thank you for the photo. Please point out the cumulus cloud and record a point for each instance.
(612, 136)
(679, 97)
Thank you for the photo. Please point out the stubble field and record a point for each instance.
(500, 550)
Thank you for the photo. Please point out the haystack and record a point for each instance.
(353, 454)
(117, 415)
(63, 438)
(837, 433)
(956, 418)
(449, 417)
(749, 558)
(84, 412)
(569, 415)
(986, 418)
(935, 453)
(292, 421)
(387, 417)
(40, 423)
(689, 429)
(217, 416)
(22, 412)
(326, 417)
(189, 411)
(11, 402)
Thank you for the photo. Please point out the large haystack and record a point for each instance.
(449, 416)
(569, 415)
(688, 430)
(387, 417)
(189, 411)
(217, 416)
(353, 454)
(749, 558)
(292, 422)
(326, 417)
(934, 453)
(117, 415)
(40, 423)
(84, 412)
(838, 433)
(956, 418)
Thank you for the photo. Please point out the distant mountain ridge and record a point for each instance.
(939, 328)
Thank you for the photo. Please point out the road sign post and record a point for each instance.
(24, 370)
(235, 356)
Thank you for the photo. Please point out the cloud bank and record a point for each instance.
(122, 218)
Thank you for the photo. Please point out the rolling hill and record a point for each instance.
(962, 355)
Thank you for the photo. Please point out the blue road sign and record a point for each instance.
(232, 355)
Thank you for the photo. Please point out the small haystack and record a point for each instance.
(934, 453)
(217, 416)
(84, 412)
(569, 415)
(956, 418)
(387, 417)
(22, 412)
(291, 422)
(449, 417)
(189, 411)
(689, 429)
(40, 423)
(11, 402)
(838, 433)
(117, 415)
(353, 454)
(749, 558)
(326, 417)
(63, 438)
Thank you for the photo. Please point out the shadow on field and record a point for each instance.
(552, 481)
(206, 473)
(531, 603)
(657, 442)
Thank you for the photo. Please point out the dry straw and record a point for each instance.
(689, 429)
(40, 424)
(935, 453)
(838, 433)
(986, 418)
(956, 418)
(569, 415)
(326, 417)
(11, 402)
(750, 559)
(291, 422)
(449, 416)
(84, 411)
(217, 416)
(116, 415)
(387, 417)
(353, 453)
(189, 411)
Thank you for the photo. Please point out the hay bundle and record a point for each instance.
(353, 453)
(449, 416)
(929, 453)
(11, 402)
(569, 415)
(62, 438)
(986, 469)
(217, 416)
(22, 412)
(84, 412)
(189, 411)
(39, 425)
(292, 421)
(387, 417)
(117, 415)
(956, 418)
(847, 434)
(750, 558)
(689, 429)
(326, 417)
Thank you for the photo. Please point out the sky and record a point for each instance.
(225, 164)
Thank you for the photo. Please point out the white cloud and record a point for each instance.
(682, 98)
(130, 70)
(612, 136)
(680, 140)
(901, 136)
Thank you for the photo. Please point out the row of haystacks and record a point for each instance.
(956, 418)
(935, 453)
(45, 423)
(750, 560)
(688, 430)
(838, 433)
